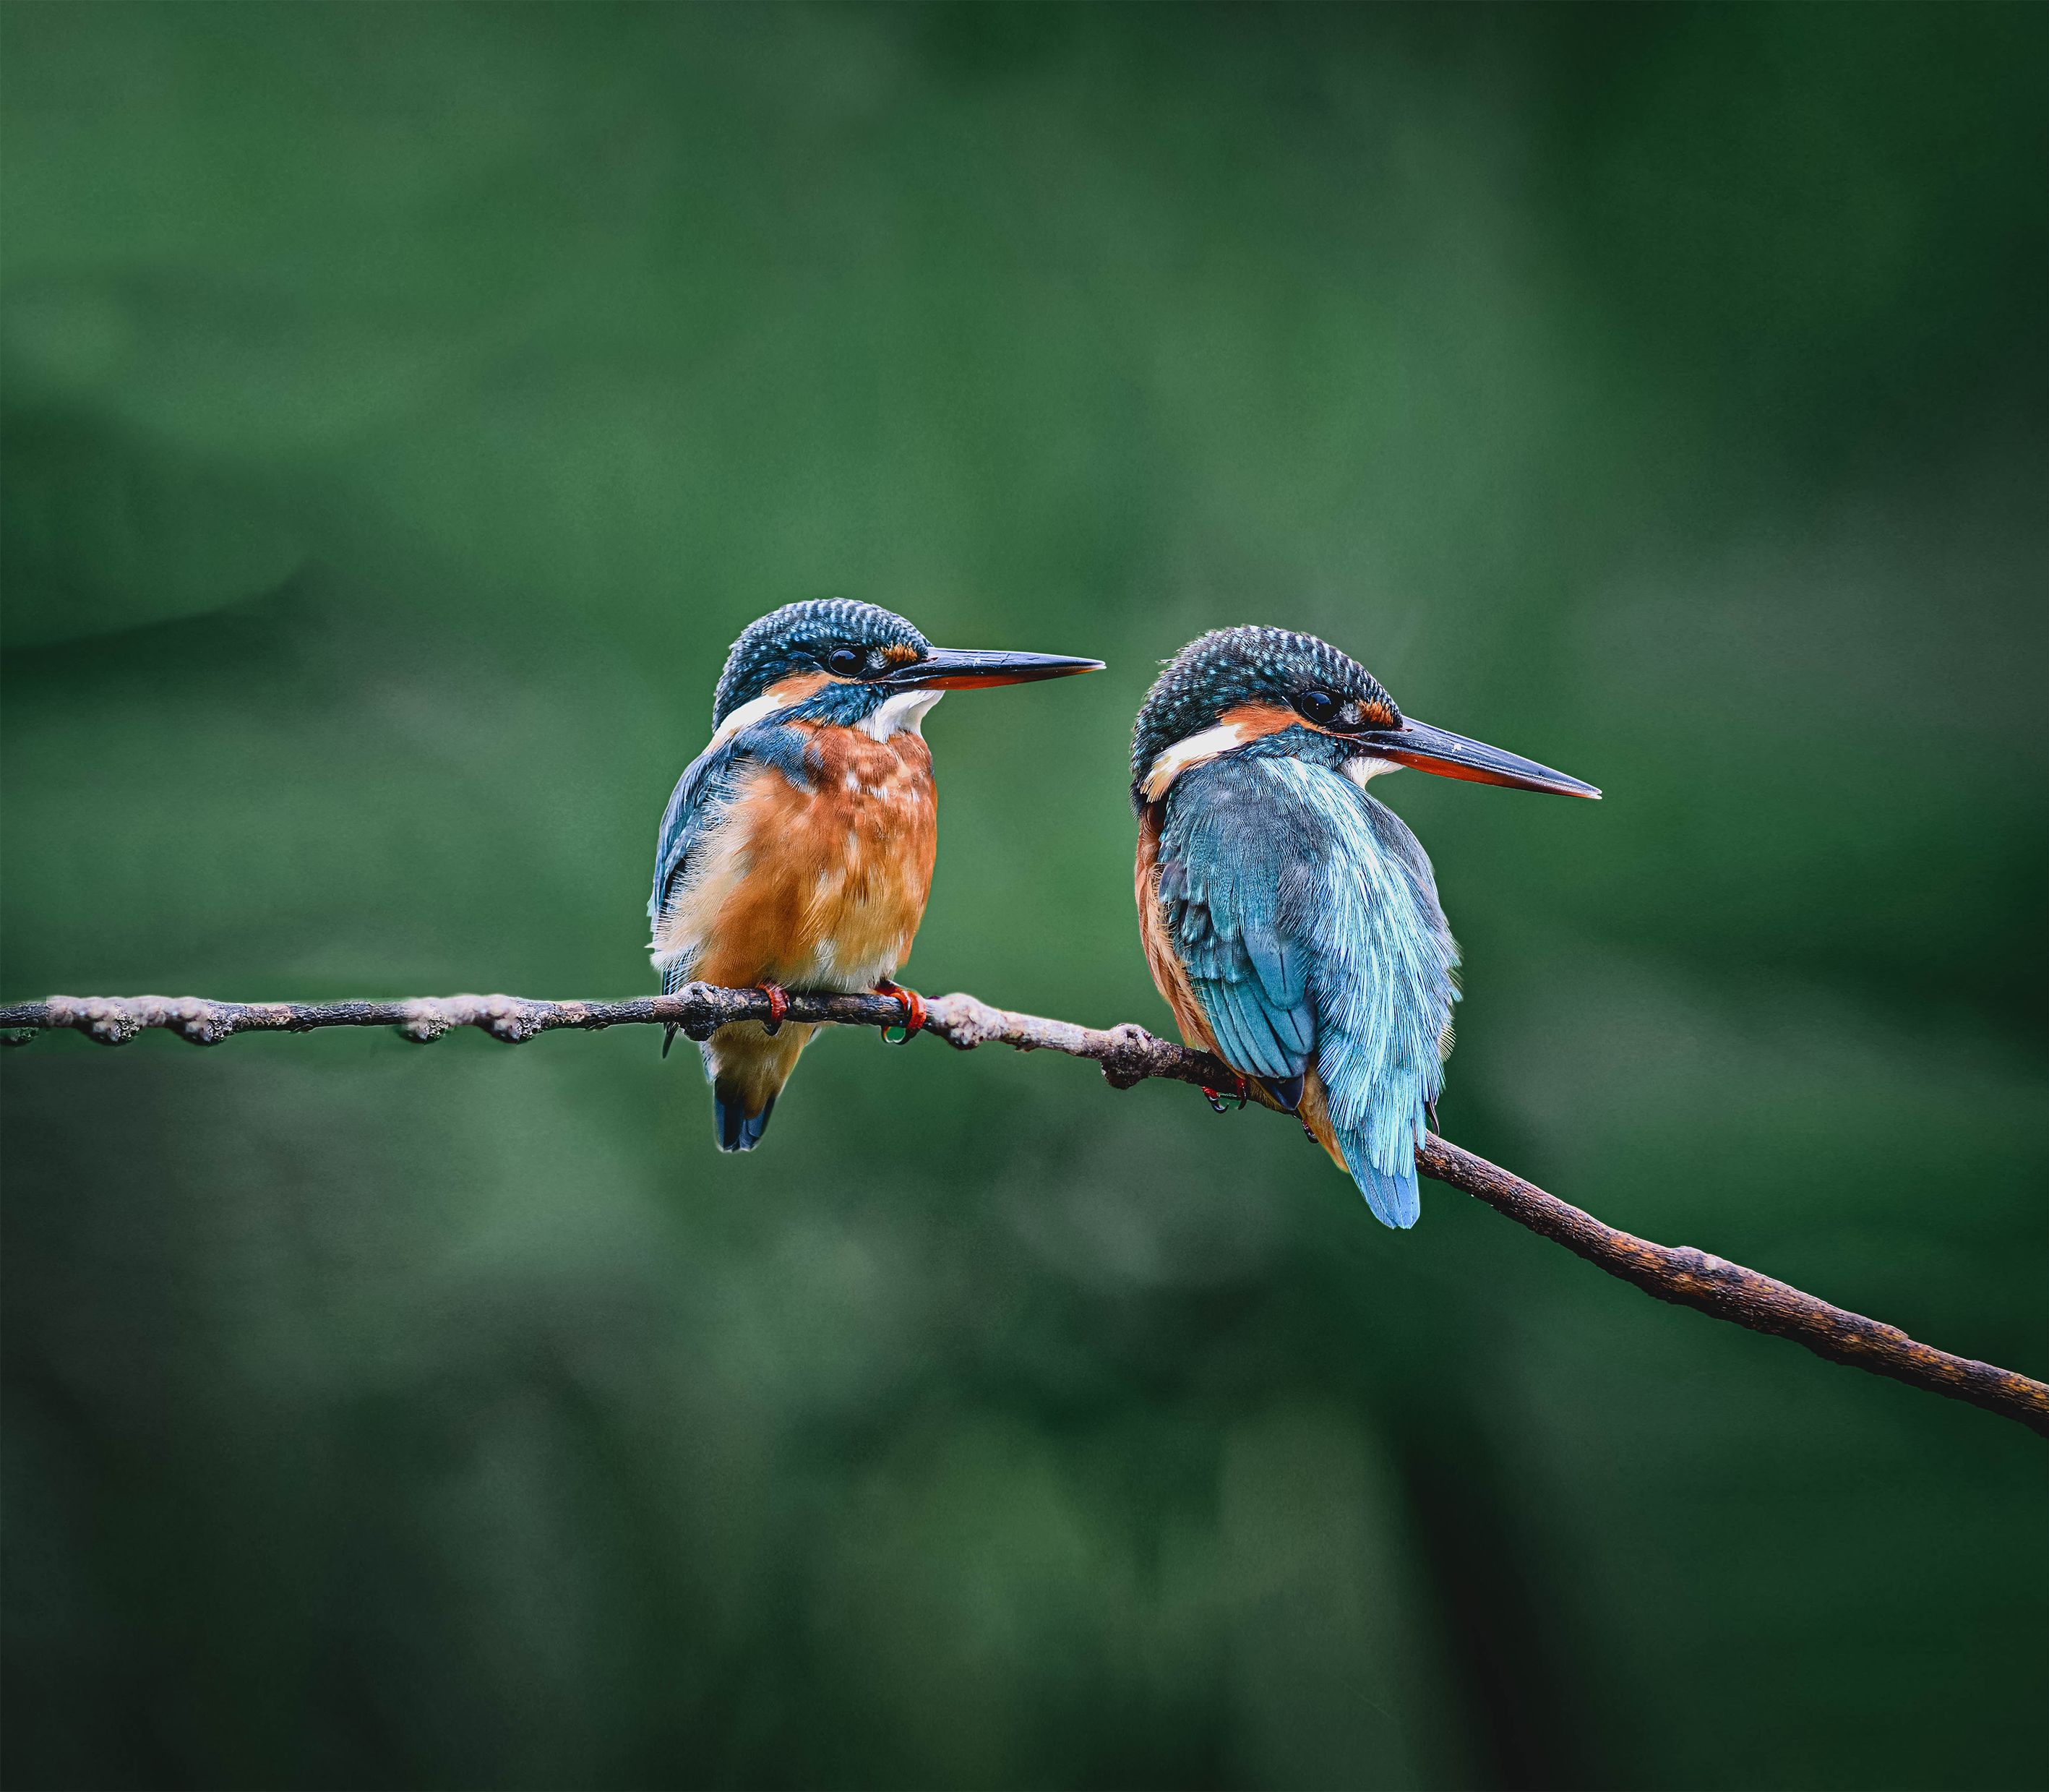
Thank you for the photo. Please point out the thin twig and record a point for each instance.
(1128, 1055)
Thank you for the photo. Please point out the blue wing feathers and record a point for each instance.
(1223, 913)
(1245, 1029)
(1306, 915)
(704, 789)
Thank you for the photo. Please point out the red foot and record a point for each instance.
(1216, 1101)
(914, 1011)
(779, 1005)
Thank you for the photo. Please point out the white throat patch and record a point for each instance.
(904, 711)
(1213, 743)
(901, 714)
(756, 708)
(1362, 768)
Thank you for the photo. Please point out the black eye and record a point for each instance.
(845, 662)
(1318, 707)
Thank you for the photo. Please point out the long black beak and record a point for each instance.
(1453, 756)
(953, 669)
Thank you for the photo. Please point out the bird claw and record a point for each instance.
(914, 1013)
(779, 1005)
(1217, 1102)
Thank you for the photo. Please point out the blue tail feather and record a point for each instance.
(736, 1129)
(1392, 1196)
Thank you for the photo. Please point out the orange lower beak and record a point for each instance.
(1453, 756)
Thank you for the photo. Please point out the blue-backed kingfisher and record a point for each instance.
(1289, 919)
(797, 850)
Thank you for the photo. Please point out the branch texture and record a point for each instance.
(1128, 1055)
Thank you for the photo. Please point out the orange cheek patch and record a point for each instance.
(1255, 722)
(1231, 730)
(796, 687)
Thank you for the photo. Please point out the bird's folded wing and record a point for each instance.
(1229, 882)
(1307, 919)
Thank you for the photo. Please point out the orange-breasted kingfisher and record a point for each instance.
(797, 850)
(1290, 920)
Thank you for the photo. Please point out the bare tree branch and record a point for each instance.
(1128, 1055)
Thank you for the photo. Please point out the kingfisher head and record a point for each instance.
(1266, 691)
(832, 660)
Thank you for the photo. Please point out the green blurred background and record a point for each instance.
(406, 405)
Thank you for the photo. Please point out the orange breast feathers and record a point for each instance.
(815, 889)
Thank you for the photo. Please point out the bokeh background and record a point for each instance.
(404, 408)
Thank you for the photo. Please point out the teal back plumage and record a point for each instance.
(1306, 916)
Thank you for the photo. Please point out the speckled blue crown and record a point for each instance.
(790, 640)
(1228, 667)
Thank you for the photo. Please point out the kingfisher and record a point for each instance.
(1290, 920)
(796, 851)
